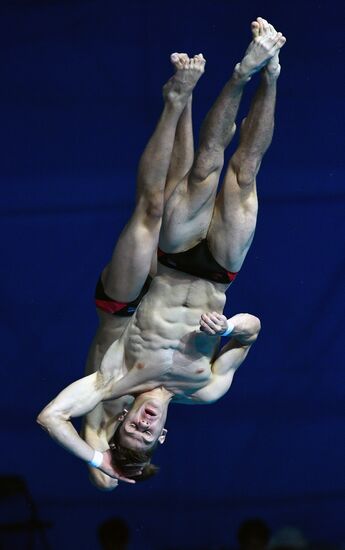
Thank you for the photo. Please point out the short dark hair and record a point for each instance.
(126, 459)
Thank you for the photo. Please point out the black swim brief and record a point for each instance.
(122, 309)
(197, 261)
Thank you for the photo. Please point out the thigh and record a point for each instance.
(125, 275)
(233, 223)
(188, 213)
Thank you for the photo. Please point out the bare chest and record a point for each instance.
(162, 344)
(180, 362)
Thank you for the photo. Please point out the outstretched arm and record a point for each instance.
(243, 329)
(78, 399)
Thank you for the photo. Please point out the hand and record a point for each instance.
(214, 324)
(102, 481)
(107, 468)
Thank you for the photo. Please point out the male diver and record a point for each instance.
(167, 351)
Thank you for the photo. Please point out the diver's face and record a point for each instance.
(143, 426)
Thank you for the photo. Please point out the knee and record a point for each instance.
(246, 178)
(208, 160)
(152, 206)
(245, 170)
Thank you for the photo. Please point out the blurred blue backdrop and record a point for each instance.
(80, 94)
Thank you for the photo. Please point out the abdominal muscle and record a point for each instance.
(163, 343)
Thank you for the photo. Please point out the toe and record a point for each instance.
(279, 39)
(265, 25)
(271, 29)
(179, 60)
(259, 21)
(255, 27)
(175, 60)
(199, 60)
(186, 61)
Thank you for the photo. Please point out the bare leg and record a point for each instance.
(189, 208)
(189, 211)
(234, 219)
(125, 275)
(183, 152)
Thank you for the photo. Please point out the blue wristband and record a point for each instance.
(96, 460)
(229, 329)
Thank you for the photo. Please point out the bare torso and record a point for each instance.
(162, 344)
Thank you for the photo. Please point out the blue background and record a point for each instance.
(80, 94)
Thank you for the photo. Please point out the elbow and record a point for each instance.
(43, 419)
(256, 328)
(253, 328)
(47, 418)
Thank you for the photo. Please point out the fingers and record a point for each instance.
(114, 473)
(212, 323)
(205, 328)
(127, 480)
(205, 325)
(124, 478)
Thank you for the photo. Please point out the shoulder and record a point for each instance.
(203, 396)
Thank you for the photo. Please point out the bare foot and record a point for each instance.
(273, 67)
(263, 51)
(188, 71)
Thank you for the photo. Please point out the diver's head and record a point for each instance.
(139, 433)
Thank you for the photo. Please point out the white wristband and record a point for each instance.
(229, 329)
(97, 459)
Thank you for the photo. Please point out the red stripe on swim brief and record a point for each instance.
(232, 276)
(110, 306)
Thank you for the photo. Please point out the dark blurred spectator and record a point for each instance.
(288, 538)
(113, 534)
(253, 534)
